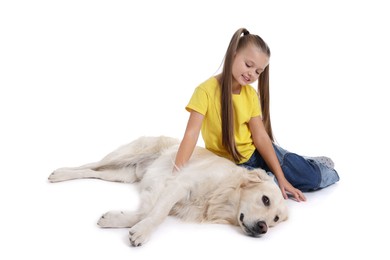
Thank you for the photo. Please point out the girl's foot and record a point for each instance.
(324, 160)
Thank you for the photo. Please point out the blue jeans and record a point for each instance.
(303, 173)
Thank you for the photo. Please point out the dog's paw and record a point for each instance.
(139, 234)
(59, 175)
(117, 219)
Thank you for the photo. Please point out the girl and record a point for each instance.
(235, 125)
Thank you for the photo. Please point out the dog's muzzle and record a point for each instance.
(257, 229)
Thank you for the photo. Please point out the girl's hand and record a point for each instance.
(287, 189)
(175, 169)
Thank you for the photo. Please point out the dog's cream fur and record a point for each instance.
(209, 189)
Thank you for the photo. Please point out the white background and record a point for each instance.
(80, 78)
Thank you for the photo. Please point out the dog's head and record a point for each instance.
(261, 204)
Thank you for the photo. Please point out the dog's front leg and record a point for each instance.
(141, 231)
(119, 219)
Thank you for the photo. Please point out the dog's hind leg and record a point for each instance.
(95, 171)
(125, 164)
(111, 168)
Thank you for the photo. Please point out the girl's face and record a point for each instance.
(248, 64)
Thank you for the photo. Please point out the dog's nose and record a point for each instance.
(262, 227)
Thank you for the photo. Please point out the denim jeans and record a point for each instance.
(303, 173)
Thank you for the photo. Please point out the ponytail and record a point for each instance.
(263, 91)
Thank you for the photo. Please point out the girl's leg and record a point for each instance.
(306, 173)
(256, 161)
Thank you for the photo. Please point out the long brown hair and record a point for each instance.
(238, 42)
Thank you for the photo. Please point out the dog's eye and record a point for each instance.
(266, 200)
(276, 219)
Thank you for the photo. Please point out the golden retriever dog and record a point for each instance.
(208, 189)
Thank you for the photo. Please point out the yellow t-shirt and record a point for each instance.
(206, 100)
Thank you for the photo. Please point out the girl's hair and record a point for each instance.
(237, 43)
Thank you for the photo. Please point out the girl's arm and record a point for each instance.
(264, 145)
(189, 140)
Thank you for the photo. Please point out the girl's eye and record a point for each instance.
(247, 65)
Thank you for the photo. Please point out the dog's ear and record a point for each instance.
(262, 174)
(255, 176)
